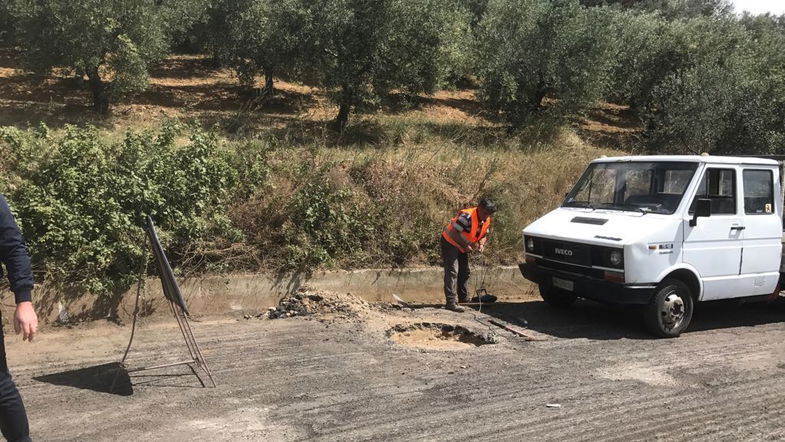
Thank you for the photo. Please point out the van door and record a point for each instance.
(760, 259)
(714, 245)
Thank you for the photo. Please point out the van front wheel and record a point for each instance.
(556, 297)
(670, 311)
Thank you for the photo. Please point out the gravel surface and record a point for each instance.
(595, 375)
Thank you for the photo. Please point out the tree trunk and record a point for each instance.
(269, 87)
(343, 116)
(538, 95)
(97, 86)
(79, 79)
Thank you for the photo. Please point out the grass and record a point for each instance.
(407, 168)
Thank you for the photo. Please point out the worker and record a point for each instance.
(15, 259)
(465, 233)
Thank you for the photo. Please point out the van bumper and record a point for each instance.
(591, 288)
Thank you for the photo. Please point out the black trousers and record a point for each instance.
(13, 419)
(456, 273)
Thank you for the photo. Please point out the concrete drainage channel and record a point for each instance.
(438, 336)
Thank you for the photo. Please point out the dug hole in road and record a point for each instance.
(333, 367)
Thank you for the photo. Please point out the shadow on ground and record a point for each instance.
(591, 320)
(109, 378)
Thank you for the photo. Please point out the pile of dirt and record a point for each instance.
(437, 336)
(307, 301)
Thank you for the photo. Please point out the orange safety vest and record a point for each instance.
(472, 236)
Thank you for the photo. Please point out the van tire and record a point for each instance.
(670, 310)
(556, 297)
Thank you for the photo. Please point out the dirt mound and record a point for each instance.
(435, 336)
(306, 302)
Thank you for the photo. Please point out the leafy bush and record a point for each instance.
(256, 205)
(81, 201)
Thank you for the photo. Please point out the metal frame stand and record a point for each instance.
(190, 341)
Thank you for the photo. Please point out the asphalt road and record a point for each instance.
(299, 378)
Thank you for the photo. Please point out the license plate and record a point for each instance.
(563, 284)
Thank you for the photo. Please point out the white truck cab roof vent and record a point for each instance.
(587, 220)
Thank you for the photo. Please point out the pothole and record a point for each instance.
(436, 336)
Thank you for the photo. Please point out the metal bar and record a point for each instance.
(199, 358)
(139, 286)
(513, 330)
(193, 370)
(155, 367)
(179, 320)
(190, 341)
(179, 310)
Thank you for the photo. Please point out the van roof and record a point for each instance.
(690, 159)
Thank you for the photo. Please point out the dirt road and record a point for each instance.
(343, 378)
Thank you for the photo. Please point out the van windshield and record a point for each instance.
(648, 187)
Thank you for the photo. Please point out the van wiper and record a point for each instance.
(638, 208)
(581, 204)
(624, 207)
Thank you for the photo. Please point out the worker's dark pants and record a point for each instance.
(13, 419)
(456, 267)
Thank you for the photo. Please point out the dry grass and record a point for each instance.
(432, 154)
(190, 88)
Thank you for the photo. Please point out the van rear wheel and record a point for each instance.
(670, 310)
(556, 297)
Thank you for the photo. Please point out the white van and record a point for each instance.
(664, 232)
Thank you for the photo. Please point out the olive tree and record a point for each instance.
(672, 9)
(532, 49)
(112, 42)
(6, 24)
(267, 37)
(650, 48)
(728, 97)
(364, 49)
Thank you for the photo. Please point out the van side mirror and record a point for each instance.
(702, 208)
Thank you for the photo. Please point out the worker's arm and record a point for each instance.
(462, 224)
(15, 258)
(459, 239)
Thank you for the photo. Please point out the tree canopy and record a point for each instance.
(102, 39)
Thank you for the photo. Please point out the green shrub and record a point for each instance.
(81, 200)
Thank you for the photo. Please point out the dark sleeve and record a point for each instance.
(464, 223)
(13, 254)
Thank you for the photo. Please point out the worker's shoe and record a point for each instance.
(454, 307)
(461, 300)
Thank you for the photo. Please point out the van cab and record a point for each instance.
(665, 232)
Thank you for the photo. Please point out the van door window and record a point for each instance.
(718, 185)
(758, 192)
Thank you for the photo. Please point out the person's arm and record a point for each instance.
(14, 255)
(463, 223)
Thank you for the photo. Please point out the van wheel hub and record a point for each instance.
(672, 311)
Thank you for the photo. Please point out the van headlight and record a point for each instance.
(530, 244)
(616, 258)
